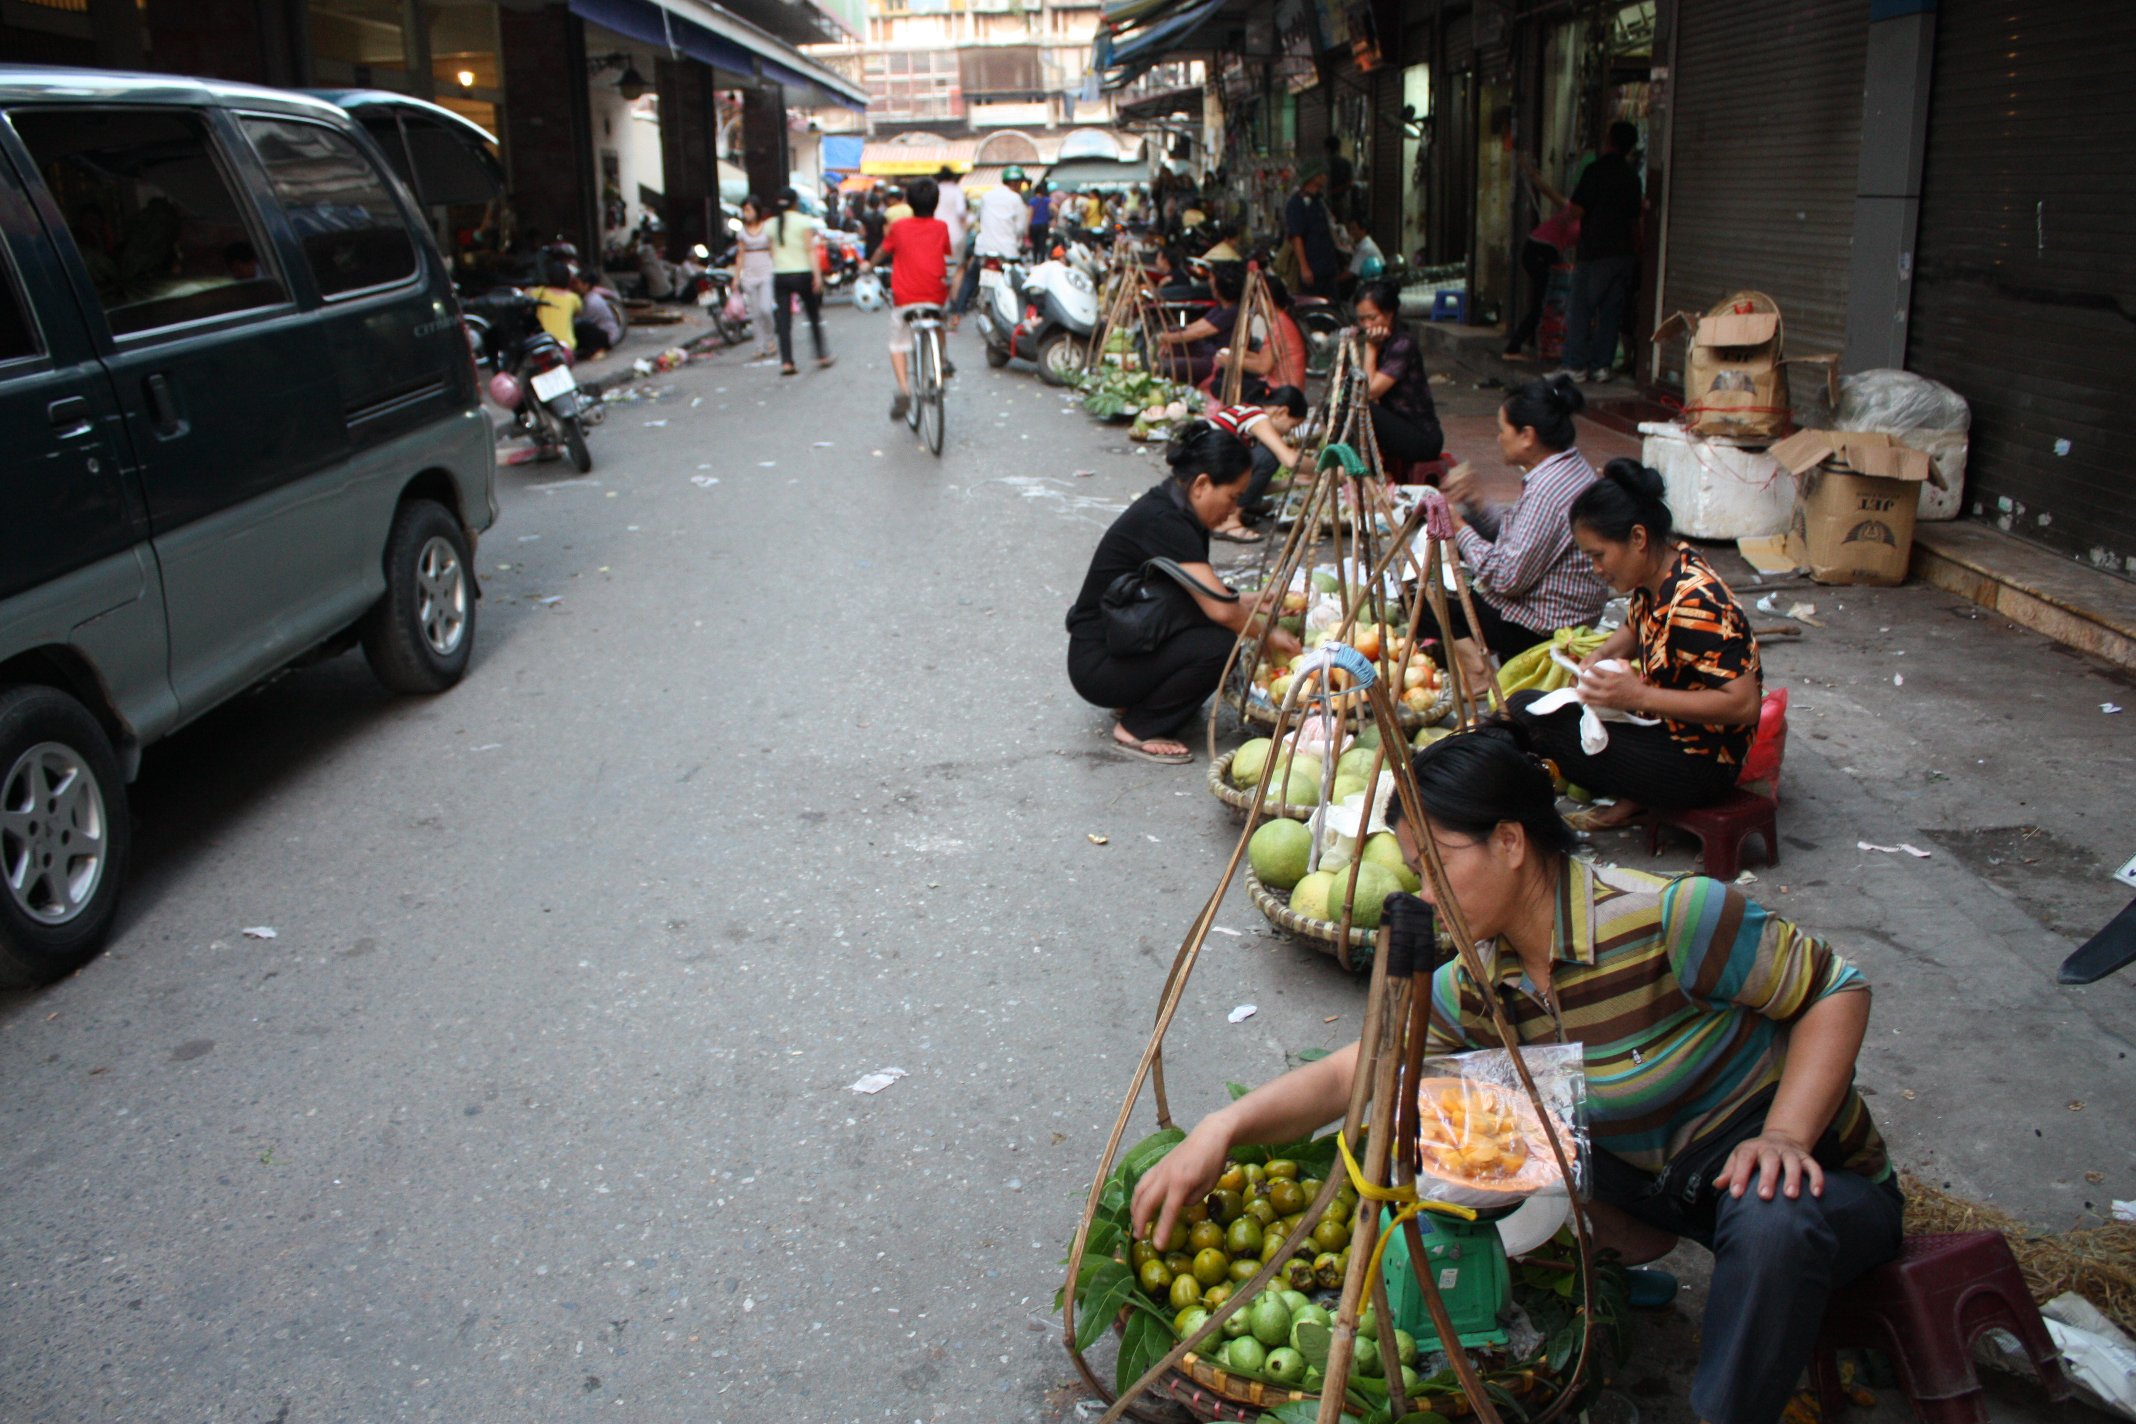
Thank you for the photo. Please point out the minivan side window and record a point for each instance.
(153, 213)
(18, 336)
(352, 231)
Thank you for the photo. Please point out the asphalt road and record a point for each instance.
(537, 1104)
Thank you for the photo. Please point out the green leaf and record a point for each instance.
(1143, 1343)
(1312, 1340)
(1419, 1416)
(1105, 1236)
(1311, 1055)
(1148, 1153)
(1238, 1090)
(1563, 1341)
(1302, 1411)
(1099, 1301)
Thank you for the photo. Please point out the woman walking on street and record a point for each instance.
(794, 235)
(752, 275)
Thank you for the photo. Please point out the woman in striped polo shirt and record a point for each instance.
(1720, 1045)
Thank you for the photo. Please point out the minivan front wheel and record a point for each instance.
(419, 636)
(64, 835)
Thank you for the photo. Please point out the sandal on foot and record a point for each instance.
(824, 363)
(1237, 536)
(788, 371)
(1141, 751)
(1590, 819)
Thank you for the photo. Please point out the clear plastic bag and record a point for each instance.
(1479, 1141)
(1899, 402)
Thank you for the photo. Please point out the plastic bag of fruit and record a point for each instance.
(1480, 1142)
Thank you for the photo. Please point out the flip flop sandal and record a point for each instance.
(1141, 752)
(788, 371)
(1237, 536)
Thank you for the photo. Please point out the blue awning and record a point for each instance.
(1123, 57)
(727, 43)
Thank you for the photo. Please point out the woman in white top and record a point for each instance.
(752, 274)
(794, 273)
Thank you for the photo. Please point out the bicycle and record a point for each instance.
(925, 413)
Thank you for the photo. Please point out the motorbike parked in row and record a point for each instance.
(530, 374)
(1060, 319)
(997, 306)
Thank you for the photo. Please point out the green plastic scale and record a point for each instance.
(1468, 1261)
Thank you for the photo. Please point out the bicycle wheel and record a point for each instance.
(927, 398)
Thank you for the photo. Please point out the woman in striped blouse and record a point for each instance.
(1720, 1045)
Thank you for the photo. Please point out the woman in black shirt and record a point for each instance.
(1405, 420)
(1154, 695)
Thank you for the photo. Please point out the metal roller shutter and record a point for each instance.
(1387, 176)
(2024, 292)
(1312, 122)
(1768, 117)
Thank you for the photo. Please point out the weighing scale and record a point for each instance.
(1469, 1261)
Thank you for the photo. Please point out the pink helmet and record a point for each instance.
(504, 389)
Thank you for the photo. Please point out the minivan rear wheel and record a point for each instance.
(64, 835)
(419, 636)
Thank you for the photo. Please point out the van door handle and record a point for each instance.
(70, 418)
(163, 407)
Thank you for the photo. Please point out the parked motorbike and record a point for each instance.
(840, 258)
(1060, 319)
(715, 290)
(530, 374)
(998, 306)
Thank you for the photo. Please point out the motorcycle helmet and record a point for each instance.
(1014, 174)
(504, 389)
(868, 293)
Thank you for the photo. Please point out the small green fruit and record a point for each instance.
(1367, 1358)
(1285, 1366)
(1246, 1355)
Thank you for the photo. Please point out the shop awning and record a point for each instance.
(738, 50)
(1140, 36)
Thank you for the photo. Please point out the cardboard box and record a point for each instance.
(1854, 510)
(1735, 373)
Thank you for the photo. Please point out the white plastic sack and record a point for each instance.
(1921, 414)
(1594, 737)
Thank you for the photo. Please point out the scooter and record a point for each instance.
(714, 288)
(840, 261)
(998, 306)
(1060, 319)
(531, 374)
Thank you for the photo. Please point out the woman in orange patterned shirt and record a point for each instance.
(1685, 656)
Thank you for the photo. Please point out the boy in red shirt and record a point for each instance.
(918, 249)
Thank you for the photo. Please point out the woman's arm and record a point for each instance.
(1285, 1110)
(1821, 1049)
(1235, 615)
(1265, 432)
(1733, 704)
(1616, 645)
(1200, 329)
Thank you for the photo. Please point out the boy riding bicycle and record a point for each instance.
(918, 251)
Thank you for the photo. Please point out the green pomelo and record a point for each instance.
(1385, 851)
(1309, 897)
(1357, 762)
(1345, 787)
(1279, 851)
(1247, 764)
(1324, 582)
(1369, 736)
(1374, 884)
(1427, 735)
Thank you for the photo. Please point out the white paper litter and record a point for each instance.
(704, 481)
(1219, 929)
(1898, 679)
(261, 932)
(878, 1080)
(823, 444)
(1243, 1012)
(1912, 850)
(551, 601)
(2109, 708)
(767, 464)
(651, 423)
(2125, 1211)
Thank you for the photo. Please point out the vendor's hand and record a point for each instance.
(1459, 485)
(954, 319)
(1181, 1178)
(1773, 1160)
(1615, 687)
(1285, 642)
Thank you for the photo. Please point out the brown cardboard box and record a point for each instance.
(1854, 508)
(1735, 373)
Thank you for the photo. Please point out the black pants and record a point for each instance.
(1537, 259)
(587, 339)
(785, 286)
(1505, 638)
(1161, 691)
(1403, 438)
(1775, 1265)
(1265, 465)
(1642, 764)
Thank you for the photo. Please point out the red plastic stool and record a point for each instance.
(1419, 472)
(1722, 828)
(1925, 1310)
(1751, 809)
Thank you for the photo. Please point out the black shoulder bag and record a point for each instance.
(1143, 610)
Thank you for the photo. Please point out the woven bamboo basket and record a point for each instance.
(1320, 934)
(1241, 802)
(1263, 714)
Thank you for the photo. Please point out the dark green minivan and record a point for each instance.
(239, 426)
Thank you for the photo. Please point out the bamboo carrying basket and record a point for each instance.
(1390, 1060)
